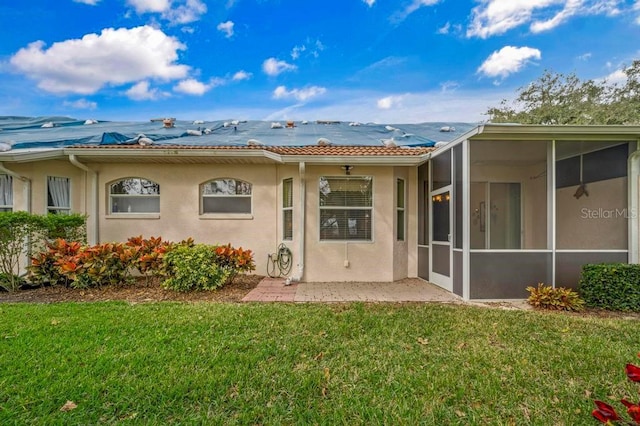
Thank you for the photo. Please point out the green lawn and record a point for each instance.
(308, 364)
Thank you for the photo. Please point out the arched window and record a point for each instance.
(134, 195)
(226, 195)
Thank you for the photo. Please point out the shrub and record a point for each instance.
(558, 299)
(46, 266)
(10, 282)
(70, 227)
(21, 232)
(193, 268)
(148, 255)
(16, 229)
(74, 265)
(612, 286)
(99, 265)
(185, 265)
(235, 260)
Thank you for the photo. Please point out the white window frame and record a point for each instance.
(59, 209)
(401, 210)
(287, 207)
(226, 215)
(123, 211)
(369, 208)
(7, 207)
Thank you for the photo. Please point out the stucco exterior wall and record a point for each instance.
(38, 173)
(289, 172)
(355, 260)
(180, 217)
(382, 259)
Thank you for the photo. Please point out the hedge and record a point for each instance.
(611, 286)
(22, 231)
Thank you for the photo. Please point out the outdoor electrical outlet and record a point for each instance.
(346, 263)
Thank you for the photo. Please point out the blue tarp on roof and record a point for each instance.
(56, 132)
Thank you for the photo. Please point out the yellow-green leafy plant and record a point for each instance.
(554, 298)
(193, 268)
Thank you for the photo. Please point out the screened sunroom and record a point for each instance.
(508, 206)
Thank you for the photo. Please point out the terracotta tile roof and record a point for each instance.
(348, 150)
(285, 150)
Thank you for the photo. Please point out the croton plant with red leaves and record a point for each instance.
(605, 413)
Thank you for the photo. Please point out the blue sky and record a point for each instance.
(402, 61)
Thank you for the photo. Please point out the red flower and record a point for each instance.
(605, 413)
(633, 410)
(633, 372)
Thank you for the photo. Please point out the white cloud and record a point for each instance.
(150, 6)
(616, 77)
(571, 8)
(585, 56)
(297, 50)
(242, 75)
(449, 86)
(143, 92)
(508, 60)
(226, 27)
(114, 57)
(192, 86)
(81, 104)
(401, 15)
(174, 11)
(317, 48)
(89, 2)
(273, 67)
(369, 2)
(311, 47)
(389, 102)
(418, 107)
(444, 29)
(380, 68)
(185, 13)
(359, 105)
(494, 17)
(301, 95)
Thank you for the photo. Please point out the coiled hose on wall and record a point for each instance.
(279, 263)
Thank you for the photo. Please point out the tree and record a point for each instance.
(565, 99)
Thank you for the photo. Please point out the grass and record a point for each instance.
(308, 364)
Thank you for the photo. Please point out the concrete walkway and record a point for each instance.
(407, 290)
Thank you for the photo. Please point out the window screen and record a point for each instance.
(346, 208)
(134, 195)
(287, 209)
(6, 193)
(400, 217)
(226, 196)
(58, 195)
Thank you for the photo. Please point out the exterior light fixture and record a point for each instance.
(347, 169)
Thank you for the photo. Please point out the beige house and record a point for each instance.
(498, 208)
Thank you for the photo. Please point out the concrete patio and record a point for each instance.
(407, 290)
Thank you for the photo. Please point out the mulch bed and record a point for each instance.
(139, 292)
